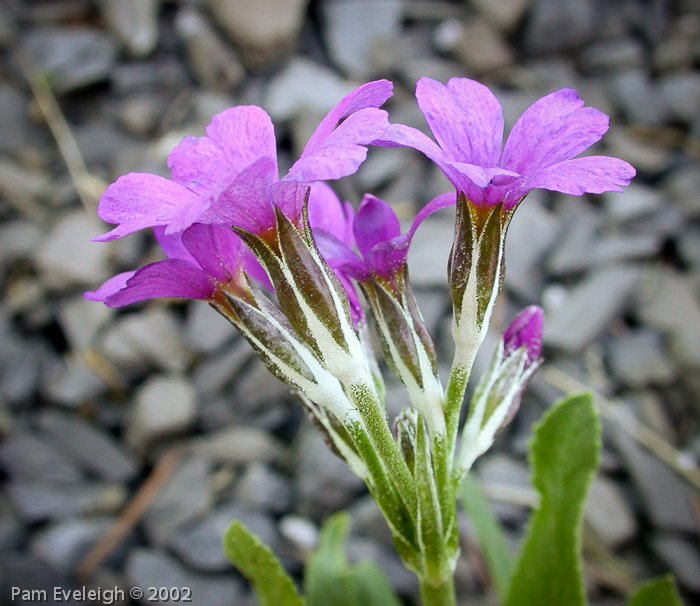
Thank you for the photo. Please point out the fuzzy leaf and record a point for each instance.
(258, 564)
(329, 579)
(657, 592)
(563, 457)
(494, 546)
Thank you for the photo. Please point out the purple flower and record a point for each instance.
(202, 261)
(525, 330)
(230, 176)
(376, 232)
(540, 152)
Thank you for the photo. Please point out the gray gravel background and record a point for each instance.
(102, 410)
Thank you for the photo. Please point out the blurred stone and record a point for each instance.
(22, 364)
(664, 495)
(580, 226)
(81, 319)
(301, 533)
(89, 447)
(141, 114)
(669, 302)
(64, 543)
(609, 514)
(151, 336)
(682, 186)
(186, 494)
(151, 568)
(11, 530)
(256, 390)
(638, 358)
(575, 323)
(162, 406)
(504, 14)
(354, 29)
(238, 445)
(368, 521)
(37, 501)
(675, 52)
(433, 305)
(504, 472)
(262, 30)
(205, 329)
(323, 481)
(556, 26)
(636, 201)
(645, 156)
(28, 456)
(73, 57)
(214, 63)
(68, 257)
(14, 123)
(399, 577)
(530, 235)
(619, 247)
(430, 248)
(261, 488)
(215, 372)
(612, 55)
(304, 87)
(636, 97)
(681, 93)
(71, 382)
(475, 43)
(198, 544)
(18, 239)
(681, 556)
(29, 573)
(134, 22)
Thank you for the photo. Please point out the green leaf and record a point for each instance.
(563, 457)
(494, 546)
(258, 564)
(329, 579)
(657, 592)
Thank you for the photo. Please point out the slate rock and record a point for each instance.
(505, 14)
(475, 43)
(356, 29)
(198, 544)
(71, 382)
(609, 514)
(264, 30)
(88, 447)
(206, 330)
(638, 358)
(555, 26)
(29, 456)
(163, 405)
(636, 201)
(575, 323)
(134, 22)
(636, 97)
(237, 445)
(72, 56)
(186, 494)
(430, 248)
(14, 123)
(67, 256)
(81, 320)
(681, 556)
(31, 574)
(151, 568)
(262, 489)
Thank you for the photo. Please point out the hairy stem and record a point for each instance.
(438, 595)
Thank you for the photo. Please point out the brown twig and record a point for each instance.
(131, 514)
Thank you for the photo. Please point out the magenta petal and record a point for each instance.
(465, 118)
(169, 278)
(139, 200)
(525, 331)
(386, 257)
(235, 138)
(372, 94)
(555, 128)
(172, 245)
(342, 151)
(111, 286)
(327, 212)
(590, 174)
(374, 222)
(245, 201)
(217, 250)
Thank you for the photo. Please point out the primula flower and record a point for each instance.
(540, 152)
(376, 232)
(202, 261)
(525, 330)
(230, 175)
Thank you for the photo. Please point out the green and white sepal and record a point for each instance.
(407, 346)
(494, 403)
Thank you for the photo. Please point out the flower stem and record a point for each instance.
(438, 595)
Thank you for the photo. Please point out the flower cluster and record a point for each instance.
(299, 272)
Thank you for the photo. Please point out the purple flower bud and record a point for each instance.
(525, 331)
